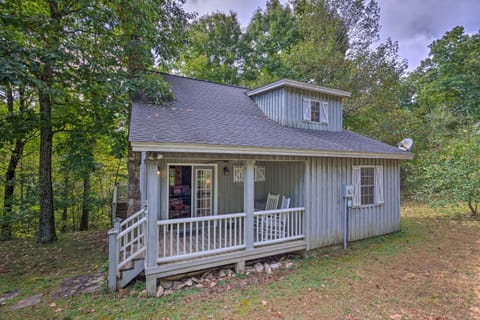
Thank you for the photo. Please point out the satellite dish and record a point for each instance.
(406, 144)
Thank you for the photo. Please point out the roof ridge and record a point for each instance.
(202, 80)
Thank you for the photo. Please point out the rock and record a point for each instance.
(289, 265)
(267, 268)
(86, 283)
(166, 284)
(258, 267)
(199, 285)
(196, 280)
(222, 273)
(229, 273)
(160, 291)
(249, 270)
(168, 292)
(189, 282)
(30, 301)
(9, 295)
(178, 285)
(276, 265)
(212, 284)
(207, 275)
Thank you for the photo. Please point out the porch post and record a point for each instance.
(143, 180)
(153, 196)
(307, 203)
(248, 201)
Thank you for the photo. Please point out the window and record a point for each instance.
(367, 185)
(315, 111)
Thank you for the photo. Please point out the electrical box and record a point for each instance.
(347, 191)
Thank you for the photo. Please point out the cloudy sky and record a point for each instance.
(413, 23)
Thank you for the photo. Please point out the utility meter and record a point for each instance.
(347, 191)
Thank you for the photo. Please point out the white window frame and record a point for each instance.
(378, 197)
(322, 109)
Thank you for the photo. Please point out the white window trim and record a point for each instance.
(307, 111)
(378, 196)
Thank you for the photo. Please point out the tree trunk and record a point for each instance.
(135, 67)
(473, 208)
(85, 203)
(15, 156)
(46, 223)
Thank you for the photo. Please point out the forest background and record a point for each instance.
(70, 69)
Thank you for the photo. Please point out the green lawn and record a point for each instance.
(428, 270)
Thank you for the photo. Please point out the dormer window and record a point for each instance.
(315, 111)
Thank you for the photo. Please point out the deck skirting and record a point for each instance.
(179, 267)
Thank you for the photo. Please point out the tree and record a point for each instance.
(69, 50)
(214, 49)
(443, 93)
(270, 35)
(450, 170)
(450, 77)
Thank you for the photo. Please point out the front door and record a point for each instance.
(203, 205)
(191, 191)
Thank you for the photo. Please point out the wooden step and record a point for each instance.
(130, 272)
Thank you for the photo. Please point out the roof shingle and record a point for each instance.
(214, 114)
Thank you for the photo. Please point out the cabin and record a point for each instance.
(230, 174)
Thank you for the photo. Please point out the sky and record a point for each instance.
(413, 23)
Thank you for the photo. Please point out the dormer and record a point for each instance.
(301, 105)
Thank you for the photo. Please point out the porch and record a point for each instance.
(149, 240)
(185, 245)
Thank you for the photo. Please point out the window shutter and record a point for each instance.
(324, 112)
(307, 110)
(237, 173)
(356, 181)
(259, 174)
(379, 185)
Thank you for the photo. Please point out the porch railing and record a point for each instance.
(126, 242)
(279, 225)
(193, 237)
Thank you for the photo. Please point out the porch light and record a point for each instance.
(158, 170)
(226, 171)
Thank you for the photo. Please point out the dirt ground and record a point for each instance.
(431, 270)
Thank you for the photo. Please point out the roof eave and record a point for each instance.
(298, 85)
(228, 149)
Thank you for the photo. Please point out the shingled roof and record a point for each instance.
(212, 117)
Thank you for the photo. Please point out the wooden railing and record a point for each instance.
(126, 242)
(120, 193)
(279, 225)
(194, 237)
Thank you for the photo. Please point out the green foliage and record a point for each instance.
(270, 36)
(450, 171)
(81, 62)
(450, 77)
(442, 95)
(214, 49)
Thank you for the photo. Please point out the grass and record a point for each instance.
(428, 270)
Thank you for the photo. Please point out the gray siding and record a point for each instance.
(285, 106)
(272, 103)
(315, 184)
(286, 178)
(325, 210)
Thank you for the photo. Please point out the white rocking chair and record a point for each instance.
(272, 202)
